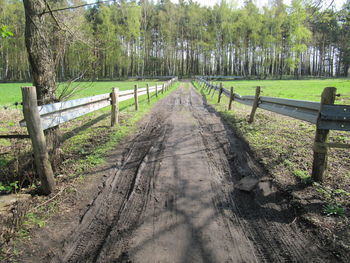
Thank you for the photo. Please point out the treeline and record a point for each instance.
(128, 38)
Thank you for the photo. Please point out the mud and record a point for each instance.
(172, 198)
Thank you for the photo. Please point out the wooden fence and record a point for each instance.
(39, 118)
(325, 115)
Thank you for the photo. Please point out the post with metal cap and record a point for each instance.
(36, 133)
(255, 104)
(115, 106)
(148, 97)
(319, 165)
(220, 92)
(136, 98)
(232, 97)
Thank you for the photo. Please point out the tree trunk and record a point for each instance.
(42, 64)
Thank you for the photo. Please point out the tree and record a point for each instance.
(41, 59)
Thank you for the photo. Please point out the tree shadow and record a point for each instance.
(85, 126)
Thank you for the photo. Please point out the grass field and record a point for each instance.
(293, 89)
(11, 92)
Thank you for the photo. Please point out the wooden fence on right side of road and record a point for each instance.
(325, 115)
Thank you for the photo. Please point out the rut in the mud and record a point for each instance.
(173, 199)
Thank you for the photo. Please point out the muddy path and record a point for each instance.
(172, 198)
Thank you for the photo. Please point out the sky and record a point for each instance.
(261, 3)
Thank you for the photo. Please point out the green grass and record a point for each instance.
(292, 89)
(11, 92)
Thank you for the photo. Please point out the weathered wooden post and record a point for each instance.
(232, 97)
(136, 98)
(209, 87)
(115, 106)
(156, 90)
(255, 104)
(162, 89)
(319, 165)
(220, 92)
(36, 133)
(148, 97)
(214, 90)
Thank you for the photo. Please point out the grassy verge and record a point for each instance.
(86, 144)
(284, 146)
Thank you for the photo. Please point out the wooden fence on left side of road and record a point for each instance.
(39, 118)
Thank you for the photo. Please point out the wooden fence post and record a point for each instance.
(156, 90)
(255, 104)
(148, 97)
(214, 89)
(162, 89)
(319, 165)
(136, 98)
(232, 97)
(115, 106)
(36, 133)
(220, 92)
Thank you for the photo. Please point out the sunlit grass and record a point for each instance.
(11, 92)
(292, 89)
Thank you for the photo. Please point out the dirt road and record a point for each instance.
(173, 199)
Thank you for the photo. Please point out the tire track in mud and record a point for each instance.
(109, 217)
(264, 215)
(173, 199)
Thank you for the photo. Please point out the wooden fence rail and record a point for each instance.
(39, 118)
(325, 115)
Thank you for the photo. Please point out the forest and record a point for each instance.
(119, 39)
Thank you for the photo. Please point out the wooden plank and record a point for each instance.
(126, 93)
(55, 118)
(36, 133)
(59, 106)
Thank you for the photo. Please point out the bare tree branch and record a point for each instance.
(75, 7)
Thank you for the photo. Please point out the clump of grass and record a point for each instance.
(333, 210)
(7, 188)
(333, 207)
(303, 176)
